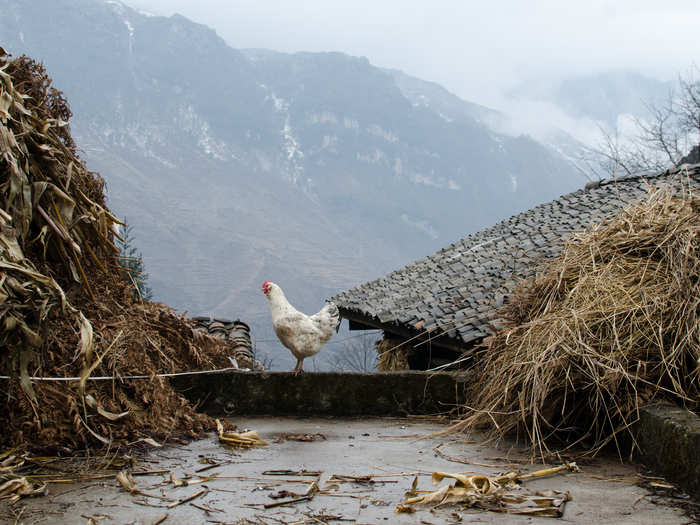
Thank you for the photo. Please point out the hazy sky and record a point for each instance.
(476, 49)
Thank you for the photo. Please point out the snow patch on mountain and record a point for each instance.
(330, 142)
(420, 178)
(118, 7)
(377, 131)
(130, 28)
(190, 121)
(134, 136)
(150, 154)
(121, 9)
(295, 155)
(433, 181)
(325, 117)
(420, 101)
(374, 157)
(351, 123)
(280, 104)
(421, 225)
(145, 13)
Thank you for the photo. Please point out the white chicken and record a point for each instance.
(303, 334)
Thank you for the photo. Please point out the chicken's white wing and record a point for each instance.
(327, 321)
(300, 333)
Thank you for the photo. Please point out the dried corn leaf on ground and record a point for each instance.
(608, 326)
(65, 308)
(493, 493)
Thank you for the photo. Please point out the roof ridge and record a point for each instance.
(640, 176)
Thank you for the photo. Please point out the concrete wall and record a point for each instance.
(323, 393)
(669, 440)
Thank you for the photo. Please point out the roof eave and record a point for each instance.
(422, 337)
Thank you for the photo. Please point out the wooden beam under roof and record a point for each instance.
(359, 322)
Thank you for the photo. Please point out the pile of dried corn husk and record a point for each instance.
(494, 493)
(65, 308)
(246, 439)
(608, 326)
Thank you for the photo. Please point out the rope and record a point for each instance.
(110, 378)
(448, 364)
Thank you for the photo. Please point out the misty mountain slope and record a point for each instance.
(354, 119)
(432, 95)
(315, 170)
(601, 97)
(606, 96)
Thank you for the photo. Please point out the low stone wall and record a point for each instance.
(669, 439)
(323, 393)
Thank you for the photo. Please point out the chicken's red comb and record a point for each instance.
(265, 284)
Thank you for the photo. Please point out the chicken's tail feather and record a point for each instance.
(334, 314)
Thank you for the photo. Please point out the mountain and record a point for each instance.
(439, 100)
(315, 170)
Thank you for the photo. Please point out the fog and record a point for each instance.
(480, 51)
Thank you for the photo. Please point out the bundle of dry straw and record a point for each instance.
(608, 326)
(393, 354)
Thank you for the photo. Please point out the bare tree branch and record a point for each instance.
(357, 355)
(671, 131)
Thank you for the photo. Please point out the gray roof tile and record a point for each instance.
(459, 287)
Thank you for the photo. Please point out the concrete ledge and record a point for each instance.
(669, 439)
(322, 393)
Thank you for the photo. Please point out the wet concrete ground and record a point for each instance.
(603, 493)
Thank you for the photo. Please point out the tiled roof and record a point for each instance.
(235, 335)
(459, 288)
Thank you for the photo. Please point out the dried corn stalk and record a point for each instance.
(239, 439)
(492, 493)
(65, 309)
(15, 489)
(37, 165)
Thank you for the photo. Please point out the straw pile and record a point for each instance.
(393, 354)
(608, 326)
(65, 308)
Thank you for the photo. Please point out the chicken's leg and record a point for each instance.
(297, 369)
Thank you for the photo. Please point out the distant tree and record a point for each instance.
(659, 142)
(356, 355)
(265, 359)
(131, 260)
